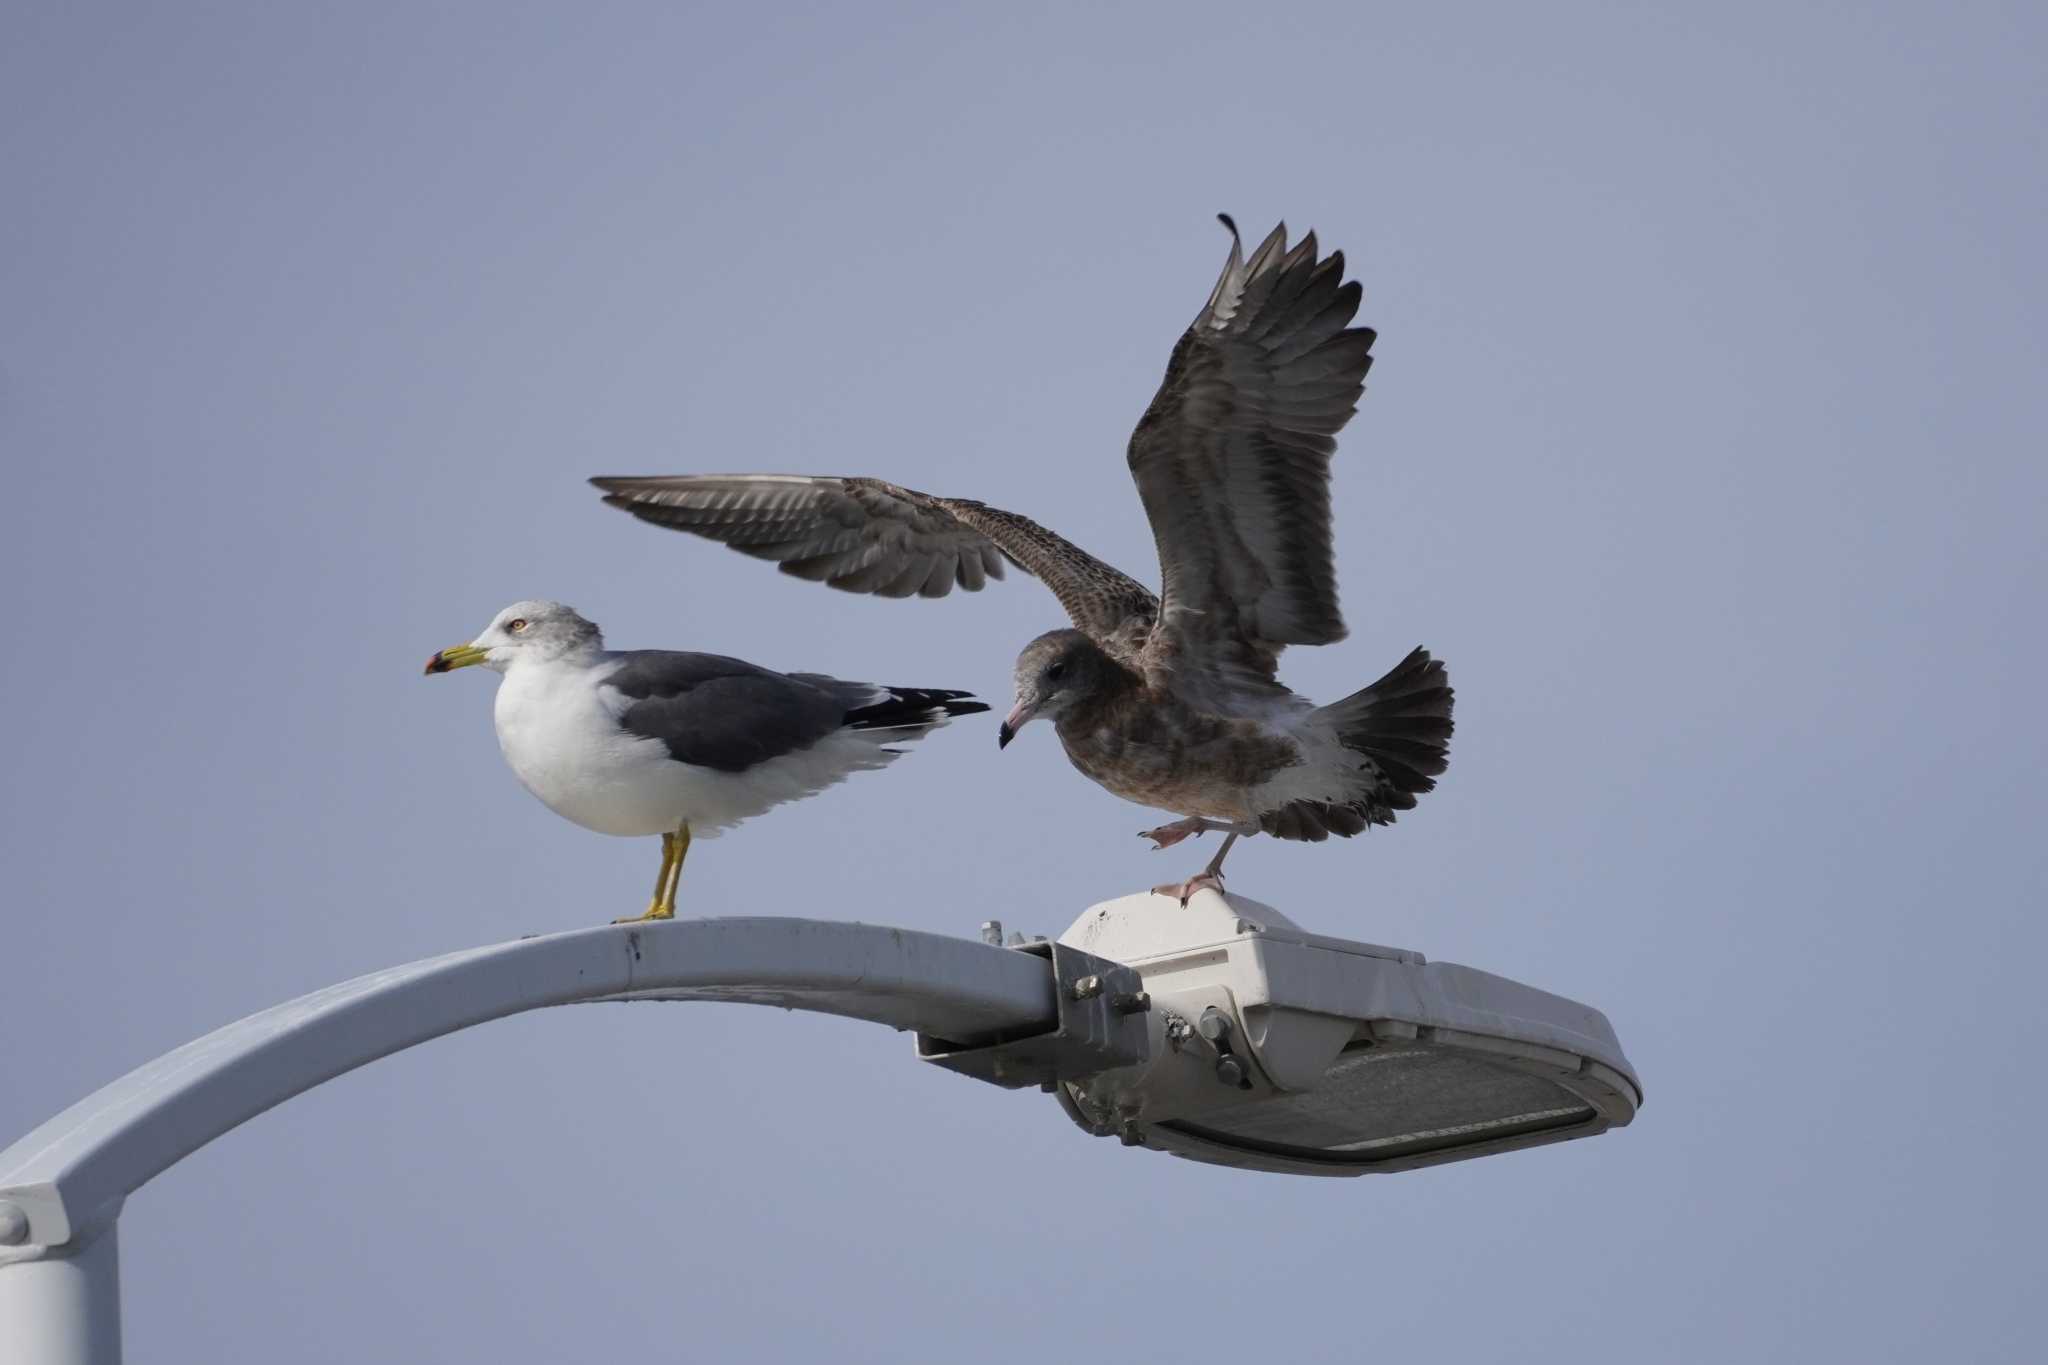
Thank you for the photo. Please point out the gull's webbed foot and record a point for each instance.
(1209, 878)
(656, 911)
(1183, 891)
(1166, 836)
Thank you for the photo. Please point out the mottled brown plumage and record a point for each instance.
(1151, 747)
(1170, 701)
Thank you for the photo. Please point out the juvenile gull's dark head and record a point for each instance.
(532, 631)
(1058, 669)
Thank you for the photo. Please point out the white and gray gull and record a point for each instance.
(655, 741)
(1169, 701)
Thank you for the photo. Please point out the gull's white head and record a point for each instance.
(525, 632)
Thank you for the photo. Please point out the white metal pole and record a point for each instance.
(61, 1186)
(64, 1308)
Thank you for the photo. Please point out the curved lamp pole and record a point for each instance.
(1220, 1031)
(62, 1186)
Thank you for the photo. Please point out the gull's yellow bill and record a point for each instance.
(457, 656)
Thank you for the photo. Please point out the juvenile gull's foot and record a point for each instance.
(1166, 836)
(1182, 891)
(1210, 877)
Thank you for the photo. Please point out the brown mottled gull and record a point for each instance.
(1168, 701)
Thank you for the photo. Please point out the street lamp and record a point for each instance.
(1270, 1048)
(1220, 1031)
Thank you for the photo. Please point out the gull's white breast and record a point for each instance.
(565, 745)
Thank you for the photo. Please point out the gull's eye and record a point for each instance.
(516, 624)
(1056, 672)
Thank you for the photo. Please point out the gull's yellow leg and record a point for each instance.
(663, 905)
(675, 871)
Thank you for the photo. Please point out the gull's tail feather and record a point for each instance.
(1402, 723)
(1401, 727)
(913, 708)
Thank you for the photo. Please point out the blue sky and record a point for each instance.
(1704, 442)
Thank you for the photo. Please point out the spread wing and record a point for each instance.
(864, 535)
(1232, 461)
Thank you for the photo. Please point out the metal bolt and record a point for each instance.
(992, 932)
(13, 1224)
(1230, 1071)
(1087, 988)
(1130, 1002)
(1214, 1025)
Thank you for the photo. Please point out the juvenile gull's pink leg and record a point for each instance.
(1166, 836)
(1210, 877)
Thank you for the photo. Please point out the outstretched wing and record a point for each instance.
(1233, 463)
(864, 535)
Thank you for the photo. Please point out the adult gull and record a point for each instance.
(657, 741)
(1169, 701)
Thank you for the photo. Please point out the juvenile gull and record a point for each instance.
(653, 741)
(1168, 701)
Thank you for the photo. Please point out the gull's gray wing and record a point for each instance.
(729, 715)
(721, 713)
(1232, 461)
(865, 535)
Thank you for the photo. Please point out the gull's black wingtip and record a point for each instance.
(1228, 222)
